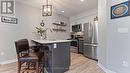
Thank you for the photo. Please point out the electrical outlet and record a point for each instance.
(125, 64)
(55, 45)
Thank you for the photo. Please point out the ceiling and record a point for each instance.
(70, 7)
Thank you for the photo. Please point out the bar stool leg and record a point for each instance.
(37, 67)
(19, 67)
(43, 64)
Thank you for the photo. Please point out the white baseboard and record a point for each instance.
(8, 61)
(105, 69)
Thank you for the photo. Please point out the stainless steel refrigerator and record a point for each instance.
(90, 40)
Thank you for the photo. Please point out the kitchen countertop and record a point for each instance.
(50, 41)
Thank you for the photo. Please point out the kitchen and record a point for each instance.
(85, 38)
(59, 24)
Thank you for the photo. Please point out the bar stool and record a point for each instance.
(24, 56)
(39, 50)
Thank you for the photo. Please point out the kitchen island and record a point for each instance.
(57, 56)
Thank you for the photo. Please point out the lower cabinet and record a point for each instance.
(57, 60)
(80, 46)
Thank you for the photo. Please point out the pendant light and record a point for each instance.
(42, 23)
(96, 18)
(47, 9)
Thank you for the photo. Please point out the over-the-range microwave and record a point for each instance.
(77, 28)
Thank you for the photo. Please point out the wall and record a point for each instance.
(28, 18)
(102, 31)
(118, 56)
(114, 37)
(84, 17)
(7, 38)
(13, 32)
(56, 18)
(33, 19)
(8, 34)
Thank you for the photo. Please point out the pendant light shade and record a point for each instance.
(47, 10)
(42, 23)
(96, 18)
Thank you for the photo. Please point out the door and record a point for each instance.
(90, 51)
(88, 33)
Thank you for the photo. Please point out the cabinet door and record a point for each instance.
(48, 61)
(81, 46)
(61, 57)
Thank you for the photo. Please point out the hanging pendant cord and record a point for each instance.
(47, 2)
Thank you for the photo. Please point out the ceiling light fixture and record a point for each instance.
(47, 9)
(82, 0)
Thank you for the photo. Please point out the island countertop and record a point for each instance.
(50, 41)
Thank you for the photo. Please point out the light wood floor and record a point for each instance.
(79, 64)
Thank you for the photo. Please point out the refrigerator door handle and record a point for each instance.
(95, 45)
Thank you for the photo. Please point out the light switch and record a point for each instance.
(123, 30)
(55, 45)
(125, 64)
